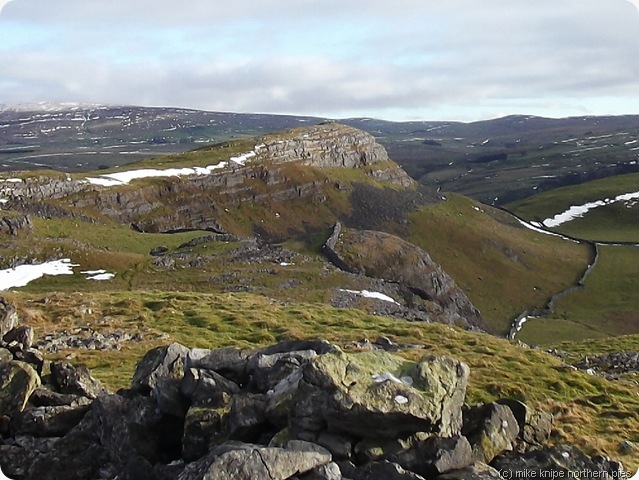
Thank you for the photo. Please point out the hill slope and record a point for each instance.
(231, 255)
(296, 183)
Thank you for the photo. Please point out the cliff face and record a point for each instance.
(284, 167)
(328, 145)
(384, 256)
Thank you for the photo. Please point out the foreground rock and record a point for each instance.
(376, 394)
(301, 410)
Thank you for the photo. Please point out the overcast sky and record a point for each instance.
(397, 60)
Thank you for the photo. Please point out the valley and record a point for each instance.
(330, 231)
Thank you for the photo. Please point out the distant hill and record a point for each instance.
(495, 161)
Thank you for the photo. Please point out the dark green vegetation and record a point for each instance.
(239, 291)
(608, 302)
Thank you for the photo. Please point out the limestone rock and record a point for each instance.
(535, 426)
(15, 224)
(157, 363)
(376, 394)
(5, 356)
(123, 436)
(477, 471)
(229, 362)
(561, 460)
(18, 380)
(203, 429)
(267, 370)
(236, 461)
(491, 429)
(76, 380)
(169, 397)
(22, 334)
(382, 255)
(329, 471)
(44, 397)
(18, 454)
(152, 207)
(436, 455)
(53, 421)
(279, 398)
(247, 419)
(159, 374)
(31, 356)
(8, 317)
(385, 470)
(207, 387)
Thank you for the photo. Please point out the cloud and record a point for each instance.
(3, 3)
(375, 58)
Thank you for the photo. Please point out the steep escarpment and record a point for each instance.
(384, 256)
(313, 166)
(324, 146)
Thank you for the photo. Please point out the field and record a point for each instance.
(607, 305)
(503, 267)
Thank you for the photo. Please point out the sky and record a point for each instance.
(396, 60)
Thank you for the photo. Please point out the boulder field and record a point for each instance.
(302, 410)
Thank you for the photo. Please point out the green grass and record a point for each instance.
(608, 305)
(610, 223)
(615, 223)
(504, 268)
(590, 412)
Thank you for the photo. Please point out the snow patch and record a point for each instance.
(98, 275)
(24, 274)
(123, 178)
(369, 294)
(578, 211)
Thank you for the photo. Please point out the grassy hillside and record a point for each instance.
(244, 292)
(503, 267)
(616, 222)
(607, 305)
(591, 412)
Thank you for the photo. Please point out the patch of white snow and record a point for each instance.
(24, 274)
(369, 294)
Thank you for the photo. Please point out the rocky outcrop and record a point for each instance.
(198, 201)
(41, 187)
(14, 224)
(295, 410)
(8, 317)
(377, 395)
(610, 365)
(326, 145)
(384, 256)
(558, 461)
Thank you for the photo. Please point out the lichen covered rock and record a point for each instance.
(376, 394)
